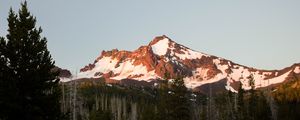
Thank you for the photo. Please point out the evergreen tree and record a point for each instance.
(162, 112)
(173, 101)
(253, 98)
(29, 89)
(240, 102)
(174, 104)
(100, 115)
(6, 87)
(179, 101)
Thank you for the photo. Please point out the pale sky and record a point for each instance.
(256, 33)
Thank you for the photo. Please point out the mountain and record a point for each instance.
(200, 70)
(63, 73)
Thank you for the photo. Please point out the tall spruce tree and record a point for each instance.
(29, 90)
(6, 88)
(240, 102)
(174, 101)
(179, 101)
(252, 99)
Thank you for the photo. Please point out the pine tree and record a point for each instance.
(29, 89)
(173, 101)
(162, 112)
(240, 102)
(6, 87)
(252, 99)
(179, 101)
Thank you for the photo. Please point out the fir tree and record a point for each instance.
(173, 101)
(240, 102)
(6, 87)
(179, 101)
(253, 98)
(29, 89)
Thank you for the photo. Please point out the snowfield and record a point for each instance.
(126, 68)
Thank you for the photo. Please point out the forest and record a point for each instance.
(173, 101)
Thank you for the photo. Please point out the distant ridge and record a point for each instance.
(164, 56)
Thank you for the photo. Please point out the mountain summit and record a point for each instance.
(163, 56)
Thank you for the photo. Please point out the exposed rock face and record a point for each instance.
(87, 68)
(164, 56)
(63, 73)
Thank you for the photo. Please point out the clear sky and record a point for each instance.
(256, 33)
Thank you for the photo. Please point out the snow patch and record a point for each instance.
(279, 79)
(223, 68)
(127, 69)
(191, 82)
(190, 54)
(161, 47)
(297, 70)
(201, 72)
(123, 70)
(239, 72)
(109, 85)
(63, 79)
(229, 63)
(104, 65)
(228, 87)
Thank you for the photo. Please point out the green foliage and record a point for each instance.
(240, 102)
(261, 110)
(174, 102)
(29, 90)
(288, 92)
(288, 98)
(97, 101)
(253, 99)
(100, 115)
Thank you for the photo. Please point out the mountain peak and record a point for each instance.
(160, 45)
(162, 55)
(159, 38)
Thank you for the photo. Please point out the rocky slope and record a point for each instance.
(64, 74)
(164, 56)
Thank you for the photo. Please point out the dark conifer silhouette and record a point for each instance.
(29, 89)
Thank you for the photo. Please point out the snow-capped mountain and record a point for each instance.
(162, 55)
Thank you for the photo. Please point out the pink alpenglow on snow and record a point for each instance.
(162, 55)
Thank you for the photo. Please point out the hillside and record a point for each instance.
(163, 56)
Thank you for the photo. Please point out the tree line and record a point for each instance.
(173, 101)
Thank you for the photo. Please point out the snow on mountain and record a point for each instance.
(272, 81)
(104, 65)
(189, 54)
(125, 70)
(297, 70)
(161, 47)
(162, 55)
